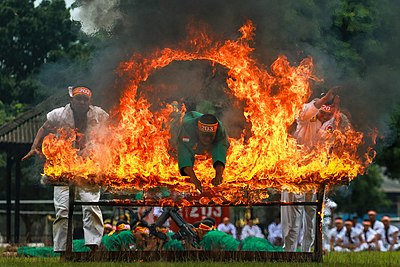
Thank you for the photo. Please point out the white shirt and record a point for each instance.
(334, 233)
(309, 129)
(274, 231)
(347, 239)
(248, 231)
(369, 235)
(227, 228)
(390, 232)
(377, 225)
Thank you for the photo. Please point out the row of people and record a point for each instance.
(373, 236)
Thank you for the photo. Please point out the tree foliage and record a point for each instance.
(29, 37)
(358, 195)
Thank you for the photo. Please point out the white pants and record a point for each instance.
(294, 217)
(385, 247)
(362, 247)
(92, 218)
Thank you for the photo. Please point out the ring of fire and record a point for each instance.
(137, 154)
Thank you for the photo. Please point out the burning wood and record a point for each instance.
(134, 153)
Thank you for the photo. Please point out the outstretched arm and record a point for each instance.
(35, 148)
(193, 178)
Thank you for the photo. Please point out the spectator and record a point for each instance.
(275, 232)
(375, 224)
(350, 240)
(251, 229)
(334, 233)
(369, 236)
(357, 224)
(388, 236)
(227, 227)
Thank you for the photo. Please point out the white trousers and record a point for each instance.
(293, 218)
(92, 218)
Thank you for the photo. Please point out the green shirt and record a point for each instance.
(189, 143)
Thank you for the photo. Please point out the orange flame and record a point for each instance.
(134, 153)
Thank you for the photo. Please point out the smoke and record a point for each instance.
(296, 29)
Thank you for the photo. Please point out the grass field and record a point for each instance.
(375, 259)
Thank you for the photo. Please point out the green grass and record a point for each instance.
(375, 259)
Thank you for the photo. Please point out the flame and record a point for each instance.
(134, 153)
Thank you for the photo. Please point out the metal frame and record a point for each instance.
(315, 256)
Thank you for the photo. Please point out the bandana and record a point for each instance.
(108, 226)
(123, 226)
(80, 90)
(326, 108)
(367, 223)
(338, 220)
(141, 229)
(207, 128)
(203, 226)
(385, 218)
(371, 212)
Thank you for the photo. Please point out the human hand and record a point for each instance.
(196, 183)
(32, 152)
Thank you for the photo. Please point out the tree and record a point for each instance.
(29, 37)
(357, 196)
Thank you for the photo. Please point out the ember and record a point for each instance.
(136, 156)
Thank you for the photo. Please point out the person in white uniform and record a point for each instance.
(79, 115)
(314, 124)
(251, 230)
(336, 231)
(388, 236)
(227, 227)
(369, 236)
(350, 240)
(375, 224)
(275, 232)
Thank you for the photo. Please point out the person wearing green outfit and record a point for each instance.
(202, 134)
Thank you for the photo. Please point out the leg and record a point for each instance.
(309, 223)
(93, 227)
(291, 221)
(60, 224)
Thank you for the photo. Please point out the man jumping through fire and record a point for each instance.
(84, 119)
(314, 125)
(202, 134)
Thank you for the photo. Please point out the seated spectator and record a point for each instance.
(369, 236)
(227, 227)
(251, 230)
(275, 232)
(375, 224)
(334, 233)
(357, 224)
(108, 228)
(388, 236)
(350, 240)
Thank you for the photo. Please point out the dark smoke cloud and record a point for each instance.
(293, 28)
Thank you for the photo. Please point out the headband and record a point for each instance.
(79, 90)
(207, 128)
(338, 220)
(385, 218)
(141, 229)
(371, 212)
(123, 226)
(203, 226)
(326, 108)
(366, 223)
(108, 225)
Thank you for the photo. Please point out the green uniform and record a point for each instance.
(189, 143)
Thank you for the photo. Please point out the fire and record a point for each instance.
(134, 153)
